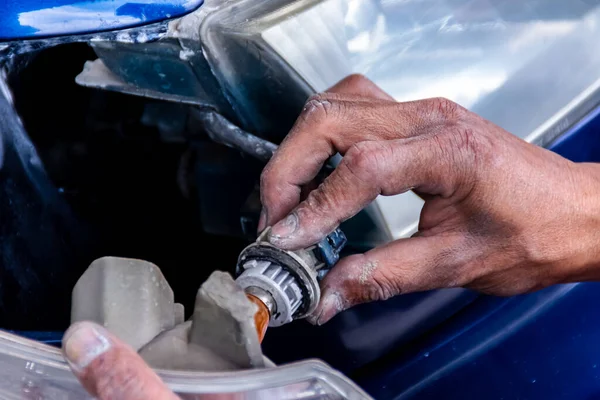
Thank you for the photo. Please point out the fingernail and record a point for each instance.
(284, 228)
(262, 221)
(331, 305)
(83, 343)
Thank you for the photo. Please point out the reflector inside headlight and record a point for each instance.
(529, 66)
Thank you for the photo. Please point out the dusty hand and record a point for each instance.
(108, 368)
(501, 216)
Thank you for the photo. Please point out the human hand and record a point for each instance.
(501, 216)
(108, 368)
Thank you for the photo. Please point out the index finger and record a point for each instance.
(333, 123)
(301, 156)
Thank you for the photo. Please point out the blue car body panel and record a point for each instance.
(26, 19)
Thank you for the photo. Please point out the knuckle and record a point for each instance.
(358, 82)
(462, 149)
(357, 79)
(322, 202)
(371, 283)
(469, 143)
(448, 165)
(444, 109)
(362, 161)
(320, 107)
(382, 287)
(464, 139)
(380, 290)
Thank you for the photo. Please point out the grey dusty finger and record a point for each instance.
(329, 124)
(370, 169)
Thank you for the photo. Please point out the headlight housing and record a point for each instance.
(529, 66)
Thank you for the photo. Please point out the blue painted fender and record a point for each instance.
(26, 19)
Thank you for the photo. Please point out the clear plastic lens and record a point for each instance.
(31, 370)
(483, 55)
(530, 66)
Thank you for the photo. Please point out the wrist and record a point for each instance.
(582, 227)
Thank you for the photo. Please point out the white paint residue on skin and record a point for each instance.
(338, 302)
(367, 272)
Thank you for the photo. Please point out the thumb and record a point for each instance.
(403, 266)
(108, 368)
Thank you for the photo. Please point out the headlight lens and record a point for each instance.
(29, 369)
(529, 66)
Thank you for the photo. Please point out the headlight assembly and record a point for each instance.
(529, 66)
